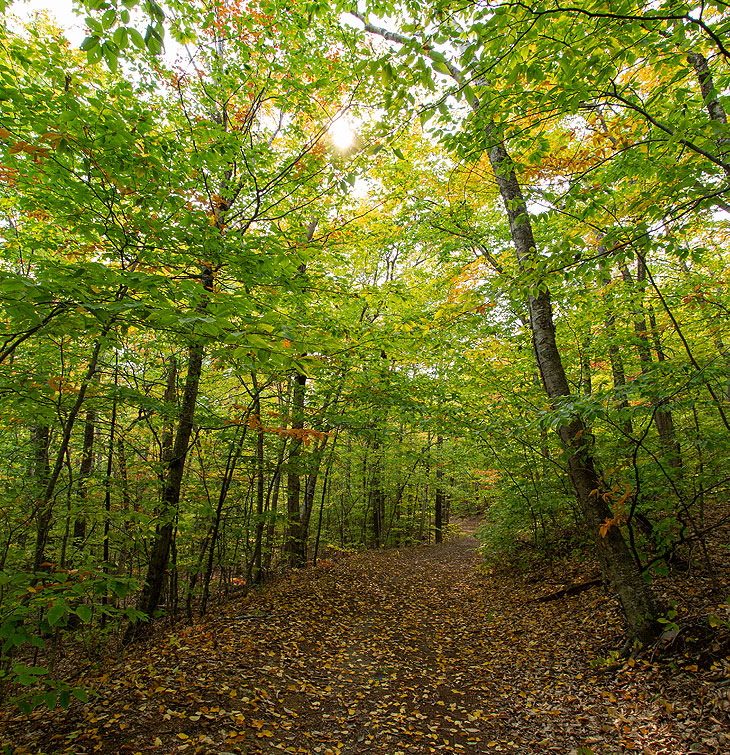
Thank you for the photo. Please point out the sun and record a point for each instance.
(341, 134)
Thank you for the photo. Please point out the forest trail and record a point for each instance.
(416, 650)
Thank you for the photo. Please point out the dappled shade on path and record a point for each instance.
(416, 650)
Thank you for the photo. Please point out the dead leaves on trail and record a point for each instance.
(411, 651)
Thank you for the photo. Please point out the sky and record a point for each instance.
(61, 10)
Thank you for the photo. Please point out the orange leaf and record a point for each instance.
(606, 526)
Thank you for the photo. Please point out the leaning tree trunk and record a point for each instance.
(618, 566)
(638, 602)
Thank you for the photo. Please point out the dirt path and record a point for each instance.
(410, 651)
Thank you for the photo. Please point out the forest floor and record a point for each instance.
(415, 650)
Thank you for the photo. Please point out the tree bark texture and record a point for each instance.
(618, 566)
(175, 469)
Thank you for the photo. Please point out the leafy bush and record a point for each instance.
(34, 612)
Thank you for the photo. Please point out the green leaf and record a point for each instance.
(111, 59)
(137, 38)
(121, 37)
(84, 612)
(154, 42)
(108, 19)
(119, 588)
(441, 67)
(57, 613)
(50, 699)
(81, 695)
(90, 43)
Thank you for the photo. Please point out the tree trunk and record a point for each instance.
(39, 465)
(376, 495)
(614, 355)
(438, 518)
(211, 542)
(126, 505)
(85, 469)
(108, 496)
(296, 546)
(160, 550)
(663, 420)
(637, 600)
(255, 567)
(311, 485)
(45, 508)
(585, 364)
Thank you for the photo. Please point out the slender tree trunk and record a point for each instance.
(449, 501)
(108, 497)
(311, 485)
(296, 542)
(585, 364)
(255, 567)
(126, 504)
(45, 508)
(39, 467)
(424, 499)
(234, 454)
(663, 420)
(296, 547)
(327, 471)
(160, 550)
(376, 495)
(614, 355)
(168, 426)
(85, 469)
(438, 518)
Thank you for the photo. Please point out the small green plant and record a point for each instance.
(715, 620)
(36, 609)
(668, 620)
(613, 658)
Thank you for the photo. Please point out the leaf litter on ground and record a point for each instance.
(412, 650)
